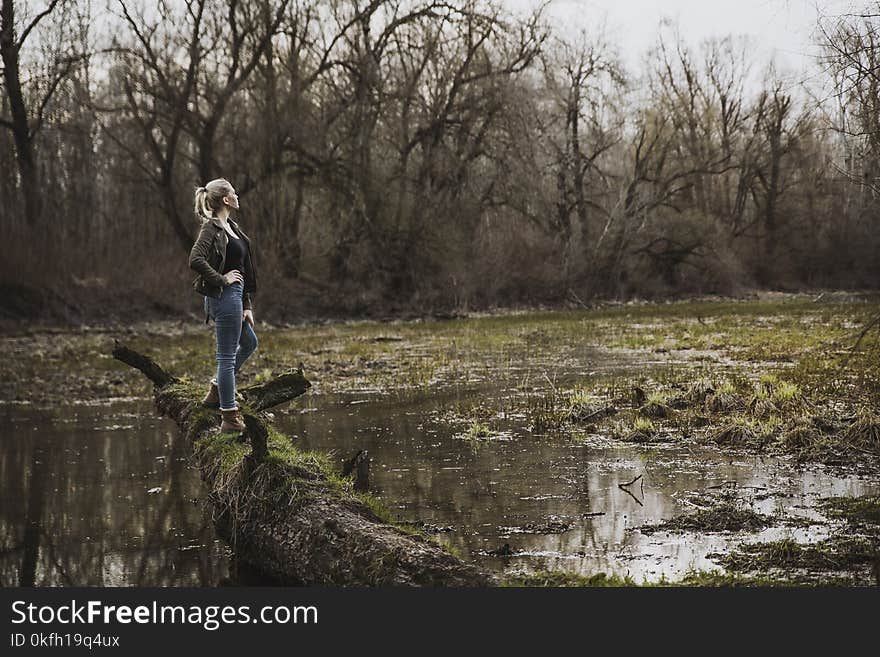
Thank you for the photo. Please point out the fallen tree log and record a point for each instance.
(285, 512)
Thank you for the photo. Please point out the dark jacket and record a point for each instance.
(208, 256)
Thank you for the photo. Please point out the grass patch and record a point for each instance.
(724, 400)
(713, 579)
(699, 390)
(643, 430)
(737, 432)
(557, 578)
(580, 397)
(726, 516)
(786, 393)
(761, 406)
(864, 433)
(768, 428)
(803, 438)
(656, 406)
(833, 554)
(855, 510)
(477, 431)
(693, 579)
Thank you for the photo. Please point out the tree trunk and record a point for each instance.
(21, 131)
(282, 514)
(170, 205)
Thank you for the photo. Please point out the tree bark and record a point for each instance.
(285, 517)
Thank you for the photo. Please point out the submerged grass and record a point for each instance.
(853, 549)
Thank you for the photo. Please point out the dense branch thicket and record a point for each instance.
(424, 154)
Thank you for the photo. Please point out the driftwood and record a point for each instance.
(283, 514)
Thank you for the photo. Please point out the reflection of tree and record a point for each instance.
(52, 555)
(76, 510)
(500, 484)
(33, 514)
(13, 460)
(157, 536)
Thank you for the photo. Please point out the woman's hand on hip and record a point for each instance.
(233, 276)
(248, 316)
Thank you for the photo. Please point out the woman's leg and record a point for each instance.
(227, 323)
(247, 343)
(210, 304)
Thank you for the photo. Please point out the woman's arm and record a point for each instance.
(198, 257)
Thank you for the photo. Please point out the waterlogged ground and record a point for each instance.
(748, 427)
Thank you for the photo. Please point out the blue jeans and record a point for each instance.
(236, 340)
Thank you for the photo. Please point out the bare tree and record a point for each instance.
(584, 80)
(156, 67)
(851, 45)
(28, 99)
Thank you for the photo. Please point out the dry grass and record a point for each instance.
(726, 516)
(737, 433)
(724, 402)
(864, 433)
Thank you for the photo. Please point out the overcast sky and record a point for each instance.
(780, 29)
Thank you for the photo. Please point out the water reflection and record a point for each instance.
(104, 496)
(101, 496)
(556, 503)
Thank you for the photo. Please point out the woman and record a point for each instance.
(222, 256)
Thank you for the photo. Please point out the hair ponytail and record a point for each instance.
(209, 198)
(201, 208)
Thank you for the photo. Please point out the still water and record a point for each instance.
(556, 502)
(104, 495)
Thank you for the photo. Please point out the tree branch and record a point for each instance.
(33, 23)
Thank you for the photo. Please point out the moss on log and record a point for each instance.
(284, 511)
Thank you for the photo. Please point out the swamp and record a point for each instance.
(705, 442)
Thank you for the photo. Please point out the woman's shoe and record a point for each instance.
(212, 399)
(232, 421)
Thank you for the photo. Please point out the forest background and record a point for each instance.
(399, 157)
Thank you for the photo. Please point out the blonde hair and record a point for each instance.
(209, 198)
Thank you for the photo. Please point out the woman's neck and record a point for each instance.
(222, 214)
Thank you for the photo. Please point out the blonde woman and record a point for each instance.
(223, 258)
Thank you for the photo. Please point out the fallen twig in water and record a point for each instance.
(629, 483)
(627, 491)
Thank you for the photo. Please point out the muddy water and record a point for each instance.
(102, 494)
(556, 502)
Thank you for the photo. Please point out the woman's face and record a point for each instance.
(231, 200)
